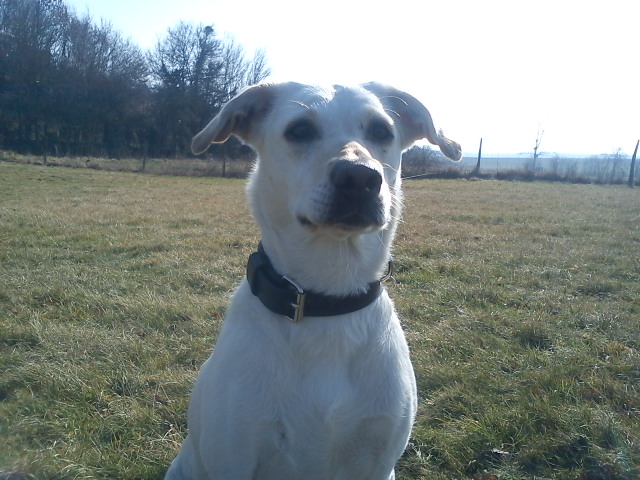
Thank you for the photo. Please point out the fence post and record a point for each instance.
(476, 170)
(632, 171)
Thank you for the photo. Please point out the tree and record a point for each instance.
(71, 86)
(419, 160)
(193, 74)
(258, 69)
(536, 152)
(102, 88)
(183, 67)
(615, 160)
(30, 32)
(68, 86)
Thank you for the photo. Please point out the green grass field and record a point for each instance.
(521, 304)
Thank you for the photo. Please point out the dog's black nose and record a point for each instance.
(355, 181)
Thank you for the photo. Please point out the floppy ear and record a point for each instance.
(414, 119)
(237, 117)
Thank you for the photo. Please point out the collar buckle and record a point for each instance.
(298, 306)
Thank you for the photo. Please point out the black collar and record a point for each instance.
(281, 295)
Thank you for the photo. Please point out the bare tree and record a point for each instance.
(193, 74)
(185, 69)
(419, 160)
(258, 69)
(68, 86)
(615, 160)
(536, 150)
(238, 72)
(234, 68)
(71, 86)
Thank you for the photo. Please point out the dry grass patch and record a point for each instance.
(521, 308)
(520, 303)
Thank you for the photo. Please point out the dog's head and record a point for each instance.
(329, 159)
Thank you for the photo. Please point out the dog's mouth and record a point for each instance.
(348, 219)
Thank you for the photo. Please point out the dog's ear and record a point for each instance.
(237, 117)
(414, 119)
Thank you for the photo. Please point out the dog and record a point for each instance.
(311, 377)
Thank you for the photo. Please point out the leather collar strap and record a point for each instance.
(282, 296)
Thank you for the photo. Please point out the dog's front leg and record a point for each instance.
(232, 431)
(223, 442)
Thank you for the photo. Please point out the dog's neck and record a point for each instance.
(325, 263)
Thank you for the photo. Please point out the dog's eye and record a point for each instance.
(380, 132)
(301, 131)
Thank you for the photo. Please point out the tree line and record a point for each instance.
(72, 87)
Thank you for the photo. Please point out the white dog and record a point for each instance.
(311, 377)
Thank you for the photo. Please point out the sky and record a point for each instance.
(494, 69)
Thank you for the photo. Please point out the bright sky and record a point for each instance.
(497, 69)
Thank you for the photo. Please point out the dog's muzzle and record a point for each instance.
(356, 201)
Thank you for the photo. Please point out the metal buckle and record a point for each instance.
(298, 307)
(389, 273)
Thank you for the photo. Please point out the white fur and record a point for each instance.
(330, 397)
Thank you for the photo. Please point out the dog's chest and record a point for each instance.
(336, 371)
(334, 397)
(327, 382)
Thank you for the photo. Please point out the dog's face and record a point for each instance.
(329, 159)
(342, 153)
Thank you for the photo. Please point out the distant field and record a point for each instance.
(521, 303)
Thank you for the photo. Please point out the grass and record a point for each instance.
(520, 303)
